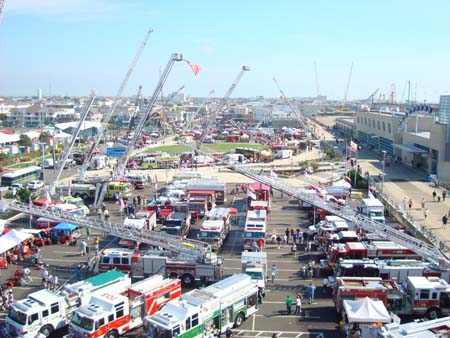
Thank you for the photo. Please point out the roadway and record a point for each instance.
(317, 320)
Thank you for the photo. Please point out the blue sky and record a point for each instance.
(77, 45)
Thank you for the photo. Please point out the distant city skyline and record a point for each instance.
(68, 47)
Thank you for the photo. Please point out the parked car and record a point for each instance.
(35, 185)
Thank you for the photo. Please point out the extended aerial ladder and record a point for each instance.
(2, 9)
(221, 105)
(107, 118)
(427, 251)
(146, 116)
(294, 109)
(192, 117)
(68, 148)
(137, 107)
(188, 248)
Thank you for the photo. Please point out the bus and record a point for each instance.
(22, 176)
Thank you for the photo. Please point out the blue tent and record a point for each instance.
(63, 228)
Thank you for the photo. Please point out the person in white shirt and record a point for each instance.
(44, 276)
(50, 282)
(55, 282)
(298, 306)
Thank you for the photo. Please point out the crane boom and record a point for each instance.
(222, 104)
(108, 117)
(2, 8)
(144, 117)
(191, 119)
(65, 154)
(344, 101)
(294, 109)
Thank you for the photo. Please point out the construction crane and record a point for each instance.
(221, 105)
(370, 98)
(428, 251)
(2, 9)
(192, 116)
(146, 116)
(68, 148)
(344, 101)
(294, 109)
(107, 118)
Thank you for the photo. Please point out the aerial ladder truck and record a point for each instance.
(427, 251)
(68, 148)
(193, 116)
(107, 118)
(300, 119)
(183, 250)
(175, 57)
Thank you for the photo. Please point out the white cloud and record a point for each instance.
(70, 10)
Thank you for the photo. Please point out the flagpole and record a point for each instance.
(356, 161)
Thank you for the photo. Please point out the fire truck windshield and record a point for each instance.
(83, 322)
(254, 235)
(17, 316)
(209, 234)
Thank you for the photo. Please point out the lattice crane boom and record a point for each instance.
(107, 118)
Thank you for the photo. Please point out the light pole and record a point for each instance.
(43, 159)
(383, 163)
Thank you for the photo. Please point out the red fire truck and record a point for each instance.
(216, 227)
(373, 287)
(374, 249)
(144, 264)
(259, 196)
(111, 315)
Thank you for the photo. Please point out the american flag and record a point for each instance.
(195, 68)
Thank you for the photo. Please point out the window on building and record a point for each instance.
(389, 128)
(378, 125)
(384, 126)
(373, 124)
(365, 121)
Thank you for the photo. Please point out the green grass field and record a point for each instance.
(172, 149)
(230, 147)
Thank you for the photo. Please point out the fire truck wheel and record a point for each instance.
(433, 313)
(47, 330)
(239, 320)
(112, 334)
(187, 280)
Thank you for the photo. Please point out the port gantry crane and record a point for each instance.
(107, 118)
(427, 251)
(294, 109)
(68, 148)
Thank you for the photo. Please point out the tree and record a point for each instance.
(25, 141)
(24, 195)
(3, 117)
(45, 137)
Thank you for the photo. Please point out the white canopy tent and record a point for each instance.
(342, 183)
(366, 310)
(12, 239)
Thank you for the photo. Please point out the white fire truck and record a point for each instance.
(144, 264)
(45, 311)
(255, 229)
(111, 315)
(199, 312)
(429, 296)
(436, 328)
(216, 227)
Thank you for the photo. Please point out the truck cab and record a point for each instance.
(254, 264)
(373, 208)
(177, 224)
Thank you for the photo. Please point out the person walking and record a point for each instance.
(298, 305)
(311, 292)
(44, 276)
(425, 213)
(444, 194)
(288, 304)
(410, 203)
(422, 203)
(294, 249)
(287, 232)
(88, 233)
(279, 241)
(444, 221)
(404, 202)
(83, 246)
(274, 273)
(434, 195)
(294, 236)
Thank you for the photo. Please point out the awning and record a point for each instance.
(410, 148)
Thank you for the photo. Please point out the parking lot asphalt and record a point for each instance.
(317, 319)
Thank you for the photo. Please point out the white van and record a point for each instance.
(373, 208)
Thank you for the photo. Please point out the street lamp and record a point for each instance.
(43, 160)
(383, 163)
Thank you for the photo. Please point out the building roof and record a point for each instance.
(86, 125)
